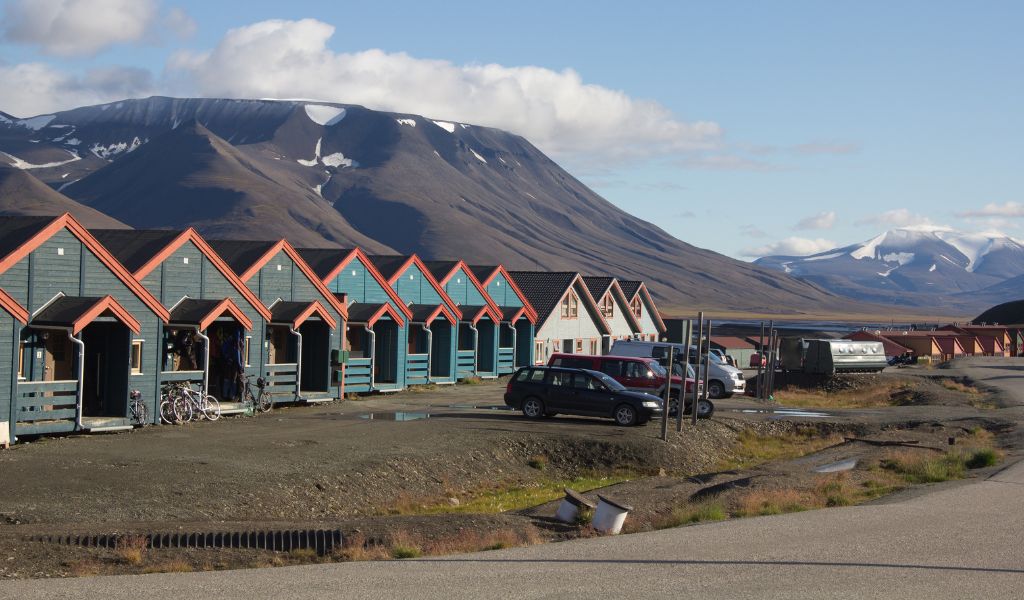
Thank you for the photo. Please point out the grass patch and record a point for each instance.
(752, 449)
(506, 496)
(918, 467)
(539, 462)
(979, 459)
(885, 394)
(471, 381)
(773, 502)
(688, 514)
(956, 386)
(131, 549)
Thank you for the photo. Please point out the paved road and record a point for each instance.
(960, 542)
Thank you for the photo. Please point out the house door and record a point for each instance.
(316, 351)
(58, 357)
(107, 365)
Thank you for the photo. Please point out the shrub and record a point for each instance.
(539, 462)
(980, 459)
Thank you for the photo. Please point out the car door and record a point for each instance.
(559, 396)
(615, 368)
(592, 397)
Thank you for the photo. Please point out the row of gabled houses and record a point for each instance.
(947, 342)
(86, 316)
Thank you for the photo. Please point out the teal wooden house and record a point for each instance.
(477, 353)
(518, 318)
(304, 337)
(81, 347)
(376, 336)
(213, 315)
(432, 342)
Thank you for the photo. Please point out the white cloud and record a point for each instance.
(822, 220)
(792, 246)
(1008, 209)
(900, 217)
(31, 89)
(556, 110)
(77, 27)
(180, 23)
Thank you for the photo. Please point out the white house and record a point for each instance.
(614, 308)
(642, 306)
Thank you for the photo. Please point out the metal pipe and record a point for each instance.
(430, 349)
(707, 365)
(760, 360)
(80, 390)
(687, 336)
(298, 362)
(515, 349)
(206, 361)
(373, 354)
(476, 350)
(668, 397)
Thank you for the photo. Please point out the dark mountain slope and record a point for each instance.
(24, 195)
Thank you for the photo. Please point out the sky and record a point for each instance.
(749, 128)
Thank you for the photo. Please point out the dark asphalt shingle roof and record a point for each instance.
(420, 312)
(597, 286)
(543, 289)
(507, 312)
(323, 260)
(360, 312)
(64, 310)
(191, 311)
(387, 265)
(287, 312)
(482, 272)
(240, 254)
(440, 268)
(134, 248)
(629, 288)
(15, 231)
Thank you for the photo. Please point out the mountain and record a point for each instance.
(23, 194)
(335, 174)
(916, 266)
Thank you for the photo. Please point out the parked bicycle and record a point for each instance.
(173, 406)
(204, 406)
(137, 409)
(259, 401)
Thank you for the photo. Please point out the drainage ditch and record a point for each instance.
(322, 541)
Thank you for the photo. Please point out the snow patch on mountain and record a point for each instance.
(24, 165)
(409, 122)
(899, 257)
(338, 160)
(449, 127)
(325, 115)
(478, 157)
(37, 123)
(111, 150)
(316, 156)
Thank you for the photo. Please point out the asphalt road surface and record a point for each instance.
(963, 540)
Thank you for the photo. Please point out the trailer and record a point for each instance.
(831, 357)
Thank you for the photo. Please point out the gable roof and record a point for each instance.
(652, 308)
(13, 307)
(545, 290)
(892, 347)
(599, 286)
(153, 247)
(257, 254)
(426, 313)
(491, 272)
(326, 263)
(78, 312)
(444, 270)
(297, 313)
(32, 236)
(203, 313)
(630, 287)
(473, 313)
(393, 267)
(370, 312)
(15, 231)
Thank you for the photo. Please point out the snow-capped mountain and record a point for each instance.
(901, 264)
(321, 173)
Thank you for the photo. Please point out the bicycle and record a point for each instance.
(204, 406)
(262, 402)
(137, 409)
(173, 406)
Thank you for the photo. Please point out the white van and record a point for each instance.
(723, 380)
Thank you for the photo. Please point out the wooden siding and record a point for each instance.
(462, 291)
(8, 364)
(413, 286)
(502, 293)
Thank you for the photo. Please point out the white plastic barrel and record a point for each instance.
(609, 516)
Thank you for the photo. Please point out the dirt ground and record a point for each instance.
(368, 466)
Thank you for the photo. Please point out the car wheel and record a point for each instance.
(705, 408)
(533, 408)
(716, 389)
(625, 415)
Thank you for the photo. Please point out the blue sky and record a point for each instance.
(743, 127)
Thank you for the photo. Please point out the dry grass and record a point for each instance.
(538, 461)
(471, 381)
(956, 386)
(773, 502)
(358, 548)
(688, 514)
(880, 395)
(173, 565)
(752, 449)
(86, 567)
(131, 549)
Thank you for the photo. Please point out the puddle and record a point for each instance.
(481, 406)
(395, 416)
(842, 465)
(783, 413)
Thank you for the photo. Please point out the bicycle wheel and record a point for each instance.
(212, 407)
(167, 412)
(140, 415)
(264, 402)
(183, 408)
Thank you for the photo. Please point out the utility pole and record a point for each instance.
(687, 336)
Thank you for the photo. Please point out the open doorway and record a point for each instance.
(485, 355)
(316, 356)
(105, 381)
(228, 359)
(524, 342)
(385, 354)
(441, 349)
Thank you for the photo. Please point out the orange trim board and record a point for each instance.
(191, 235)
(476, 282)
(13, 307)
(314, 308)
(105, 304)
(415, 260)
(226, 305)
(292, 253)
(441, 310)
(487, 311)
(372, 270)
(66, 221)
(531, 313)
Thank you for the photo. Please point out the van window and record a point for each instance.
(613, 368)
(636, 369)
(571, 362)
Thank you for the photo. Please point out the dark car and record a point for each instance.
(547, 391)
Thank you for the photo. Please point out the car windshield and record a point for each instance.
(613, 385)
(658, 369)
(677, 371)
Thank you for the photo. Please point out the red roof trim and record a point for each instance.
(372, 270)
(487, 311)
(191, 235)
(616, 290)
(314, 308)
(385, 308)
(106, 303)
(13, 307)
(476, 282)
(415, 260)
(66, 221)
(442, 310)
(226, 305)
(531, 313)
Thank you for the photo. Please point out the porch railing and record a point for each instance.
(506, 360)
(54, 402)
(357, 374)
(417, 369)
(465, 364)
(281, 378)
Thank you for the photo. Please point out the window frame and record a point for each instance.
(21, 359)
(607, 306)
(132, 368)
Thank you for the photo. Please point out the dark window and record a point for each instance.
(537, 375)
(523, 375)
(636, 369)
(614, 368)
(571, 362)
(584, 381)
(560, 378)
